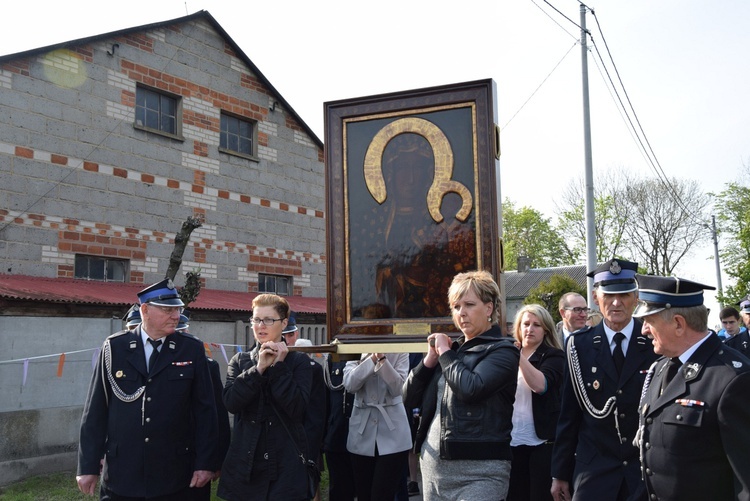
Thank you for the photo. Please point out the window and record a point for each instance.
(157, 111)
(237, 136)
(101, 268)
(275, 283)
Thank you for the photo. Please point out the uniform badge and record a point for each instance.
(615, 268)
(119, 374)
(133, 345)
(691, 371)
(172, 345)
(596, 384)
(736, 364)
(593, 370)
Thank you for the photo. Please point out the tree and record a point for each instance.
(651, 221)
(548, 293)
(666, 221)
(610, 217)
(733, 218)
(527, 233)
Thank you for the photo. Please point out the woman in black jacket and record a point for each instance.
(537, 404)
(267, 390)
(465, 439)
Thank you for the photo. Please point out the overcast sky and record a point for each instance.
(684, 64)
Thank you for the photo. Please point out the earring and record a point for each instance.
(489, 319)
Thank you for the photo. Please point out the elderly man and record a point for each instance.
(694, 435)
(574, 312)
(593, 455)
(149, 420)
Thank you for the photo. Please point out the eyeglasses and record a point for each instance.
(169, 309)
(268, 322)
(577, 309)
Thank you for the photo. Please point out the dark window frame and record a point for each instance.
(229, 137)
(101, 268)
(150, 104)
(266, 279)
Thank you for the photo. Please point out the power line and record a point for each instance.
(540, 85)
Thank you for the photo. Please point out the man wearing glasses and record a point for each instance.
(574, 313)
(149, 420)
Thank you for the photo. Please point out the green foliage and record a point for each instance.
(527, 233)
(733, 220)
(548, 293)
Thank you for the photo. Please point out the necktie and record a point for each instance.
(672, 368)
(154, 353)
(618, 355)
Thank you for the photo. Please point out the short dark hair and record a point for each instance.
(729, 312)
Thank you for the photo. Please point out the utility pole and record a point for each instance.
(716, 255)
(590, 225)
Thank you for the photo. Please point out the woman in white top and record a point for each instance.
(537, 404)
(379, 433)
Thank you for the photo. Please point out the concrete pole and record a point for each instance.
(716, 255)
(590, 225)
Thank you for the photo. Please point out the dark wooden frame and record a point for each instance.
(348, 123)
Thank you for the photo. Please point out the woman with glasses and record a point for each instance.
(537, 404)
(267, 389)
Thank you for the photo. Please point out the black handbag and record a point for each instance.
(313, 472)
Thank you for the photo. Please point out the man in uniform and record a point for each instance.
(149, 420)
(593, 455)
(694, 436)
(745, 311)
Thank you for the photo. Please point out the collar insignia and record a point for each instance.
(691, 371)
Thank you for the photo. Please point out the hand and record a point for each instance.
(269, 354)
(201, 478)
(560, 490)
(87, 483)
(375, 357)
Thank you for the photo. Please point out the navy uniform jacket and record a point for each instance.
(740, 342)
(589, 452)
(695, 441)
(150, 445)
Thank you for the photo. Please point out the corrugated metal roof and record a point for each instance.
(67, 290)
(519, 284)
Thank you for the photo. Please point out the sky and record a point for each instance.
(683, 63)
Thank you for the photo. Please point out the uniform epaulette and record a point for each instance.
(188, 336)
(582, 330)
(120, 333)
(734, 359)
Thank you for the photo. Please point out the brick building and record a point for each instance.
(107, 145)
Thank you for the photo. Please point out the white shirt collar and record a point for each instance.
(689, 352)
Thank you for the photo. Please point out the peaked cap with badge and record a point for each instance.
(291, 324)
(657, 294)
(162, 293)
(616, 276)
(133, 316)
(744, 305)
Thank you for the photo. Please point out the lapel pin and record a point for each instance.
(596, 384)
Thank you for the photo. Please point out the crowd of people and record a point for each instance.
(643, 403)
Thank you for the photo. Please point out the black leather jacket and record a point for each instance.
(477, 405)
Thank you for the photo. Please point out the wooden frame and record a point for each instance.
(412, 195)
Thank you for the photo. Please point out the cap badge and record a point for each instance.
(170, 284)
(615, 268)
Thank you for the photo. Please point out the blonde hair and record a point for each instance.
(482, 284)
(548, 324)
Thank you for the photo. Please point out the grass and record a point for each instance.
(62, 487)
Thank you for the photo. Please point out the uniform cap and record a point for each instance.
(657, 294)
(291, 325)
(616, 276)
(162, 293)
(744, 305)
(133, 316)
